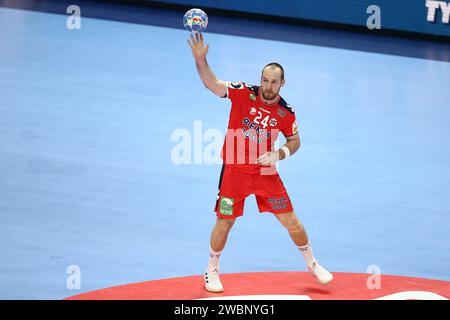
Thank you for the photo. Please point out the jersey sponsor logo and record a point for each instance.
(226, 206)
(252, 135)
(294, 127)
(254, 131)
(252, 111)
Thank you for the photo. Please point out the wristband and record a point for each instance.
(286, 151)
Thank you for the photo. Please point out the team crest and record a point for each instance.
(273, 122)
(281, 112)
(252, 96)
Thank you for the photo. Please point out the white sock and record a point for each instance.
(213, 260)
(307, 253)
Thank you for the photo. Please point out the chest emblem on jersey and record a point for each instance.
(273, 122)
(252, 111)
(281, 112)
(252, 96)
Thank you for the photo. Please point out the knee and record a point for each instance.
(224, 224)
(294, 225)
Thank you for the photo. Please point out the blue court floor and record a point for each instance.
(86, 176)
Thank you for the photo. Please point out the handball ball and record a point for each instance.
(195, 20)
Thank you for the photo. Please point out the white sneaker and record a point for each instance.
(212, 281)
(322, 275)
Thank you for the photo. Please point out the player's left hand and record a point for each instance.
(268, 158)
(199, 50)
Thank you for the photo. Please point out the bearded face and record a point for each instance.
(271, 83)
(269, 94)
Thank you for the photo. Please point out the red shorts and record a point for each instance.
(235, 185)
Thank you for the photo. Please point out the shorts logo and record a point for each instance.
(278, 203)
(226, 206)
(277, 200)
(252, 111)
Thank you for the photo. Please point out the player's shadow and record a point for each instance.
(316, 291)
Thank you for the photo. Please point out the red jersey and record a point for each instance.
(254, 126)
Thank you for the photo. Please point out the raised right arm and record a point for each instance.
(199, 51)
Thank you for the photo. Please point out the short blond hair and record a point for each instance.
(275, 65)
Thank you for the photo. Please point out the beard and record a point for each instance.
(269, 95)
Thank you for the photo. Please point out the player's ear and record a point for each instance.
(282, 82)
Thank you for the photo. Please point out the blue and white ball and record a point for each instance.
(195, 20)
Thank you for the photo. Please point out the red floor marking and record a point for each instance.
(344, 286)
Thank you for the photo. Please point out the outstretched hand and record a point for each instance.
(199, 50)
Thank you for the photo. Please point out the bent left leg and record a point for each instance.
(298, 234)
(295, 228)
